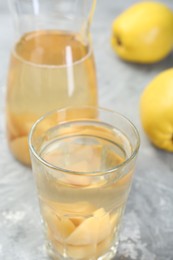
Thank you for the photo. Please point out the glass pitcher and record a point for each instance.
(52, 64)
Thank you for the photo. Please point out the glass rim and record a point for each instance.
(91, 173)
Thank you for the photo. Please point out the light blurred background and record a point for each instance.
(120, 87)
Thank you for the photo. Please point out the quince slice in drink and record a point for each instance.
(103, 220)
(58, 246)
(92, 230)
(125, 180)
(102, 132)
(84, 234)
(78, 179)
(104, 246)
(114, 221)
(77, 220)
(84, 157)
(75, 252)
(65, 227)
(20, 123)
(77, 163)
(19, 148)
(61, 227)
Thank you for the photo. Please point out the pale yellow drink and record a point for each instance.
(83, 161)
(48, 70)
(83, 208)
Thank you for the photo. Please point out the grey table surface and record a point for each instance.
(147, 229)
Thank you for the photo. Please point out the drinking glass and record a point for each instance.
(52, 64)
(83, 161)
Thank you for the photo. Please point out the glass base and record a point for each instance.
(54, 255)
(110, 254)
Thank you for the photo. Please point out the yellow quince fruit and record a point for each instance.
(143, 33)
(156, 109)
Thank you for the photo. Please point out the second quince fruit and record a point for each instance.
(144, 33)
(156, 109)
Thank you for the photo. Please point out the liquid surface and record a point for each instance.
(82, 209)
(83, 154)
(48, 70)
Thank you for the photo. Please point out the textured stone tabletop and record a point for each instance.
(147, 230)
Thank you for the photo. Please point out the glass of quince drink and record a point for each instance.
(83, 161)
